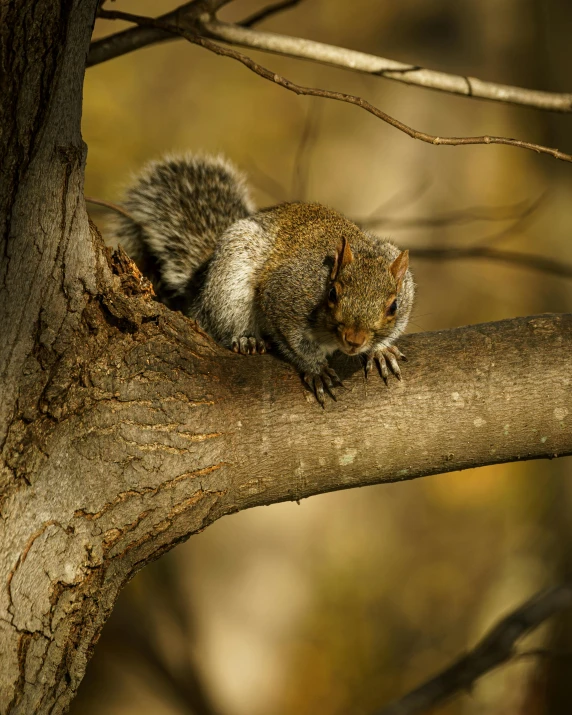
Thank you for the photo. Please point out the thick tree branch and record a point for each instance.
(124, 429)
(129, 40)
(258, 69)
(170, 432)
(496, 648)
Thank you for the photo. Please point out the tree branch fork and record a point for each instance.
(200, 16)
(171, 432)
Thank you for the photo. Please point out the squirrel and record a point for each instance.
(298, 277)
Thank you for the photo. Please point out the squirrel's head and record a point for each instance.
(363, 297)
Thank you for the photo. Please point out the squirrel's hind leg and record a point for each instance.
(227, 307)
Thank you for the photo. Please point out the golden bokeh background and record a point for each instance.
(339, 604)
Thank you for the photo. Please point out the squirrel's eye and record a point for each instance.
(392, 308)
(333, 294)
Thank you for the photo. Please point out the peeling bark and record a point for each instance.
(124, 429)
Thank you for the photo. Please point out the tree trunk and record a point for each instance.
(124, 429)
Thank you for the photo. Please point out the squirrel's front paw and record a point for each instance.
(386, 360)
(322, 383)
(249, 346)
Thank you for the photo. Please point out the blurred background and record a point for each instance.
(339, 604)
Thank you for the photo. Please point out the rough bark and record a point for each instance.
(124, 429)
(159, 432)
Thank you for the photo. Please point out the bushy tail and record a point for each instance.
(180, 206)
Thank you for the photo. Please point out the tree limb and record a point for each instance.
(124, 429)
(242, 34)
(328, 94)
(496, 648)
(171, 432)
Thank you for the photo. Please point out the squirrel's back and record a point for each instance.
(180, 207)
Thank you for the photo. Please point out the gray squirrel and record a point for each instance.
(298, 277)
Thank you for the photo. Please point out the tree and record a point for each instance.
(124, 429)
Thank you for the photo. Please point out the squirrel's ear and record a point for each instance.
(399, 267)
(344, 256)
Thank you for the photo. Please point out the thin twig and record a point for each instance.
(109, 205)
(454, 218)
(496, 648)
(543, 653)
(533, 262)
(302, 159)
(339, 96)
(521, 221)
(389, 69)
(400, 199)
(242, 34)
(268, 11)
(267, 183)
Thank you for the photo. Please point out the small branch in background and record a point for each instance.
(268, 11)
(303, 154)
(131, 634)
(389, 69)
(525, 218)
(111, 206)
(328, 94)
(241, 34)
(521, 210)
(268, 184)
(533, 262)
(543, 653)
(401, 199)
(496, 648)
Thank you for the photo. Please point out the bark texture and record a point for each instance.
(124, 429)
(159, 432)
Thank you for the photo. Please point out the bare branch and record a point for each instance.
(111, 206)
(267, 12)
(389, 69)
(531, 261)
(187, 15)
(267, 183)
(543, 653)
(339, 96)
(399, 200)
(303, 154)
(452, 218)
(495, 649)
(121, 43)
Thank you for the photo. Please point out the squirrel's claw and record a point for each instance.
(249, 345)
(386, 360)
(323, 383)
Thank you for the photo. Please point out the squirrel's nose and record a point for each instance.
(354, 338)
